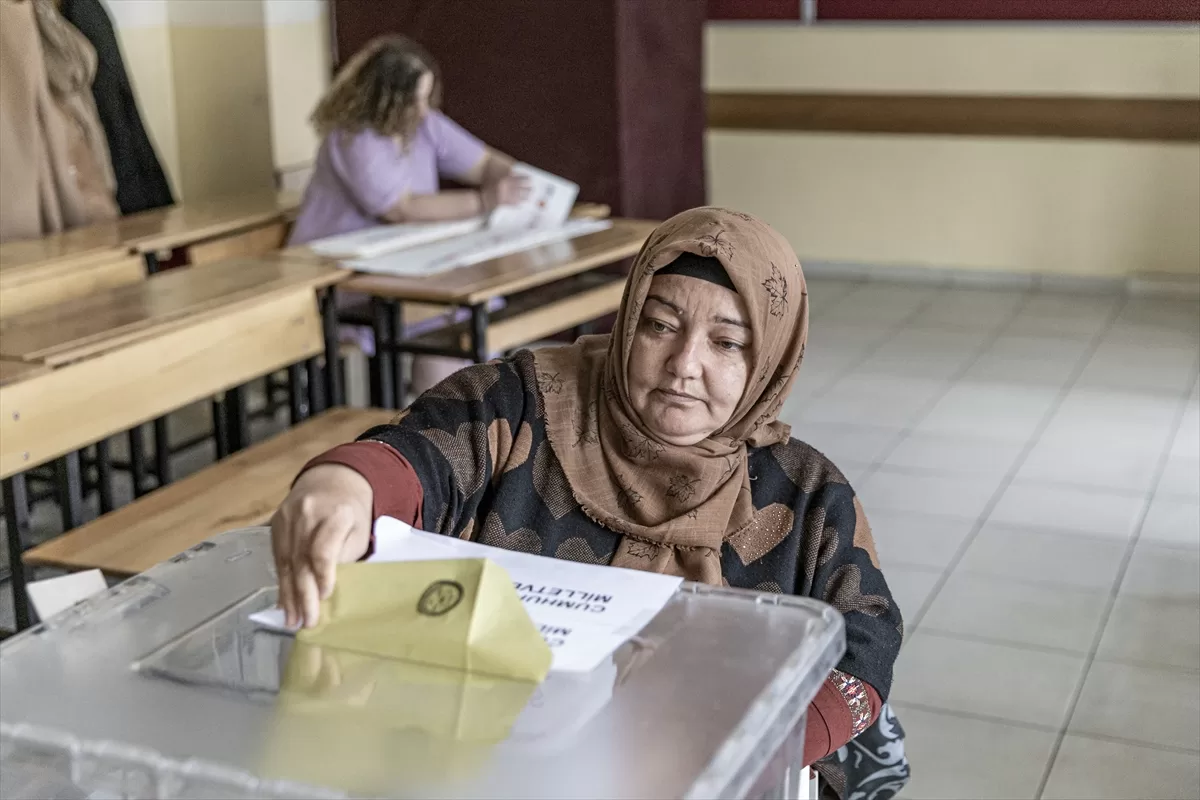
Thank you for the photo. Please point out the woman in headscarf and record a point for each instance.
(657, 447)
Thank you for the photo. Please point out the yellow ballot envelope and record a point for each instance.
(416, 670)
(462, 614)
(361, 723)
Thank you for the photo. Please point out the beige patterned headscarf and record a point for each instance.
(676, 505)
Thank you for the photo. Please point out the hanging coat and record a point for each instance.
(54, 170)
(141, 184)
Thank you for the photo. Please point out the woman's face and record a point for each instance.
(689, 359)
(424, 93)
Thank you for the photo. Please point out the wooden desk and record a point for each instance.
(149, 231)
(81, 245)
(14, 371)
(518, 272)
(579, 294)
(190, 223)
(97, 323)
(23, 290)
(133, 354)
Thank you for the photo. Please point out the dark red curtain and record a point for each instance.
(999, 10)
(1082, 10)
(607, 93)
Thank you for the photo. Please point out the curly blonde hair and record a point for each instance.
(377, 90)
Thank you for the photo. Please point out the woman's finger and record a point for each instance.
(325, 547)
(287, 594)
(281, 549)
(307, 596)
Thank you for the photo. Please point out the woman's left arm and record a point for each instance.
(491, 169)
(467, 160)
(840, 567)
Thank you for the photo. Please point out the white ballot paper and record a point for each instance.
(584, 611)
(377, 241)
(472, 248)
(418, 249)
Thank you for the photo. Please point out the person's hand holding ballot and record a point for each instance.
(325, 521)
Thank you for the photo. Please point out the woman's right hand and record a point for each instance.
(324, 521)
(510, 190)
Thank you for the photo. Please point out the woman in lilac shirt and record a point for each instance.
(385, 147)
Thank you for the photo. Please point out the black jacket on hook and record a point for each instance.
(141, 184)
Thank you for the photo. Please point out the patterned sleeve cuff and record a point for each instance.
(858, 700)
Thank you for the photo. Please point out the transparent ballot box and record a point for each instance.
(162, 688)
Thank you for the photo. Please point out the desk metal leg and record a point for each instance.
(137, 460)
(71, 489)
(104, 485)
(333, 369)
(151, 263)
(235, 414)
(396, 313)
(297, 395)
(382, 386)
(272, 389)
(162, 452)
(16, 521)
(479, 321)
(316, 395)
(220, 426)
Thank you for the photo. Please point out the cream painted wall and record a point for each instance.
(298, 72)
(1022, 205)
(225, 87)
(222, 117)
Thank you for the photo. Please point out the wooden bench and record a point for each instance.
(240, 491)
(534, 315)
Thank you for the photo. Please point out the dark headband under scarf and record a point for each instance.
(706, 268)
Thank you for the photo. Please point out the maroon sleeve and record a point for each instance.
(395, 488)
(830, 721)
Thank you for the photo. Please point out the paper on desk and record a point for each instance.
(583, 611)
(53, 595)
(548, 206)
(460, 614)
(472, 248)
(376, 241)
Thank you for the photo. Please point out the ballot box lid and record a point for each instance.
(161, 687)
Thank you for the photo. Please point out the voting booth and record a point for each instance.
(165, 687)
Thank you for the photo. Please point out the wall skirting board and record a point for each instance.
(1153, 285)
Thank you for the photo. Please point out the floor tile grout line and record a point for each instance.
(1030, 443)
(1035, 648)
(1175, 669)
(1157, 746)
(1122, 569)
(1011, 644)
(970, 715)
(1036, 727)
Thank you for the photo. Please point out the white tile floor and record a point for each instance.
(1031, 465)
